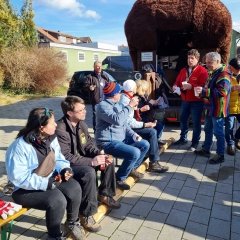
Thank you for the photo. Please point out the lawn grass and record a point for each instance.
(8, 97)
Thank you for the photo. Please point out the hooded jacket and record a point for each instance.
(22, 160)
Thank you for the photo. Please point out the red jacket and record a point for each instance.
(197, 78)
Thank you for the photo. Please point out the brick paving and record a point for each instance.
(194, 200)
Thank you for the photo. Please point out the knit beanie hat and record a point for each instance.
(111, 89)
(235, 62)
(129, 85)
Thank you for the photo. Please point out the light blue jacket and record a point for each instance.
(21, 160)
(132, 122)
(111, 122)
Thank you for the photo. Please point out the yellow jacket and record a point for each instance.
(234, 104)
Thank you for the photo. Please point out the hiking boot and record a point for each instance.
(161, 142)
(74, 230)
(157, 167)
(231, 150)
(202, 152)
(90, 224)
(56, 238)
(237, 144)
(122, 185)
(217, 159)
(109, 201)
(136, 174)
(180, 142)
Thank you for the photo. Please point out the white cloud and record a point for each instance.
(75, 8)
(236, 26)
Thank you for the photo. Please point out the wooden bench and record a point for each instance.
(9, 221)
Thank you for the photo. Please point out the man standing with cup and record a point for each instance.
(94, 84)
(191, 76)
(216, 95)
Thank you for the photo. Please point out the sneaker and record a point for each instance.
(202, 152)
(180, 142)
(217, 159)
(56, 238)
(237, 144)
(90, 224)
(109, 201)
(193, 148)
(231, 150)
(123, 185)
(74, 230)
(161, 142)
(157, 167)
(136, 174)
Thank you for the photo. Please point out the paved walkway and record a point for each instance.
(194, 200)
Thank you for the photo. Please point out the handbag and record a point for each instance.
(159, 115)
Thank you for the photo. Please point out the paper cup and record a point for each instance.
(196, 93)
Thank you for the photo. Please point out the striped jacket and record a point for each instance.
(216, 93)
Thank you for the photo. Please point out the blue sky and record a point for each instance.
(101, 20)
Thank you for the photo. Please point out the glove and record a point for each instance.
(52, 183)
(63, 172)
(8, 208)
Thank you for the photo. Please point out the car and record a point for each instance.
(121, 68)
(77, 81)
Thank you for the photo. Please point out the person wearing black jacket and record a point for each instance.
(94, 84)
(78, 148)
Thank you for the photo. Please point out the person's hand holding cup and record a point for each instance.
(92, 87)
(197, 91)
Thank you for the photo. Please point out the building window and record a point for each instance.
(62, 39)
(81, 56)
(65, 53)
(95, 57)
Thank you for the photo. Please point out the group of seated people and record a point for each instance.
(52, 165)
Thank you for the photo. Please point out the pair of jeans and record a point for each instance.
(131, 152)
(214, 126)
(237, 133)
(150, 134)
(229, 125)
(55, 202)
(159, 126)
(195, 110)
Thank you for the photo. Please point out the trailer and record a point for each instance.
(156, 31)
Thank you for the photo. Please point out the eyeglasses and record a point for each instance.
(80, 111)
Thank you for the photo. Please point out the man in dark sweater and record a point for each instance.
(78, 148)
(94, 84)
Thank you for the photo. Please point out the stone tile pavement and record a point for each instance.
(194, 200)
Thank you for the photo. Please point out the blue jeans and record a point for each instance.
(150, 134)
(214, 126)
(131, 152)
(195, 110)
(229, 125)
(159, 127)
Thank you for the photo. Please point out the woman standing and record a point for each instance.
(42, 177)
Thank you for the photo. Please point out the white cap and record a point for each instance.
(129, 85)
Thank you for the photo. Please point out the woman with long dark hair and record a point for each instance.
(42, 177)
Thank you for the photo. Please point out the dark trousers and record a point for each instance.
(108, 181)
(150, 134)
(86, 176)
(94, 118)
(54, 202)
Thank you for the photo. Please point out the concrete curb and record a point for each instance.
(103, 208)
